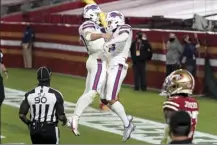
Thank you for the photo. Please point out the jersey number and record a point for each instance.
(40, 99)
(84, 42)
(112, 48)
(193, 115)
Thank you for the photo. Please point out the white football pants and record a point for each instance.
(115, 77)
(96, 76)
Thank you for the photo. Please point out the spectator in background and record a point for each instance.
(180, 127)
(141, 51)
(173, 54)
(27, 42)
(189, 54)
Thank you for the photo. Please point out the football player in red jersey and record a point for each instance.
(178, 87)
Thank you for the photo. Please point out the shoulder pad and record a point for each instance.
(125, 26)
(88, 24)
(171, 104)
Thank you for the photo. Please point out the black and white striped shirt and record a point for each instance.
(44, 104)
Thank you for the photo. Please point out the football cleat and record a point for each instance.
(128, 131)
(73, 123)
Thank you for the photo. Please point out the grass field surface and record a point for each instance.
(147, 105)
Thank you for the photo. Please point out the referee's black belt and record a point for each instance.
(46, 123)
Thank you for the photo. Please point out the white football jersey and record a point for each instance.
(94, 48)
(120, 51)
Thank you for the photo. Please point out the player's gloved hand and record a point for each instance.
(64, 123)
(6, 74)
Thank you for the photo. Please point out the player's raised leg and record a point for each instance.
(82, 103)
(116, 75)
(96, 79)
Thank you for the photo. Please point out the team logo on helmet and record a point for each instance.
(92, 7)
(115, 14)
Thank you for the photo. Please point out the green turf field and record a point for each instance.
(145, 105)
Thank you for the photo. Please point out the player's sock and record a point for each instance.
(84, 101)
(118, 108)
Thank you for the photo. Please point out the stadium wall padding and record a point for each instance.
(58, 48)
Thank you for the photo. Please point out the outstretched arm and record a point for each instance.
(120, 38)
(123, 35)
(89, 32)
(24, 108)
(60, 108)
(167, 115)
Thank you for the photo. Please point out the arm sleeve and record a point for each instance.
(123, 34)
(108, 46)
(24, 36)
(120, 38)
(60, 104)
(171, 105)
(24, 107)
(184, 55)
(180, 48)
(166, 138)
(168, 112)
(184, 52)
(87, 29)
(149, 46)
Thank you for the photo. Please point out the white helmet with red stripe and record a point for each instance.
(92, 11)
(114, 19)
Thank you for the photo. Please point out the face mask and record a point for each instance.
(171, 39)
(189, 39)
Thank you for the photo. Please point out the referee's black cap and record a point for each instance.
(180, 123)
(43, 74)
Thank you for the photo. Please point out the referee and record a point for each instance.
(2, 68)
(46, 108)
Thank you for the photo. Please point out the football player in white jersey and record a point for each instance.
(93, 39)
(117, 49)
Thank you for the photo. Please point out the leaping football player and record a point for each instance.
(93, 39)
(117, 49)
(178, 87)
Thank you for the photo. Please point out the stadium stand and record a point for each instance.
(12, 6)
